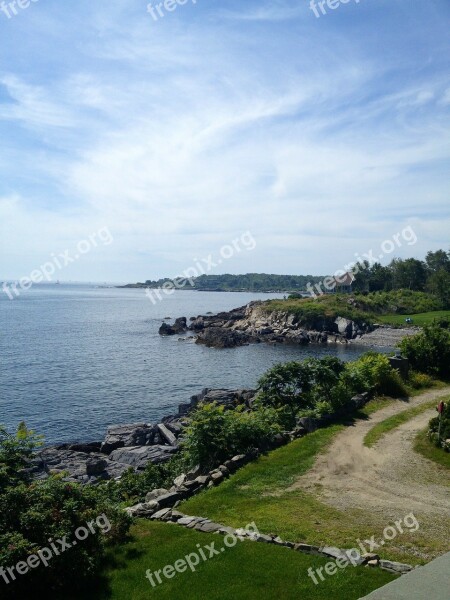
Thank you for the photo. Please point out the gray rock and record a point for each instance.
(162, 515)
(179, 481)
(136, 434)
(308, 549)
(95, 466)
(144, 509)
(202, 480)
(138, 457)
(395, 567)
(155, 494)
(168, 500)
(167, 435)
(208, 527)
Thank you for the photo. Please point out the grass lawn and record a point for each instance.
(419, 320)
(381, 429)
(423, 446)
(265, 492)
(249, 570)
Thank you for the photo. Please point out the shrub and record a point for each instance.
(299, 386)
(215, 434)
(373, 371)
(429, 351)
(419, 380)
(35, 514)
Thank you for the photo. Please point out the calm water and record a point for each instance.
(75, 359)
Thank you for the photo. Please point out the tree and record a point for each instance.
(438, 260)
(439, 284)
(408, 274)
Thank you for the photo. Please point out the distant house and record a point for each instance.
(343, 284)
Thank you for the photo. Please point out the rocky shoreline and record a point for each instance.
(128, 446)
(252, 324)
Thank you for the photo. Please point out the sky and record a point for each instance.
(318, 137)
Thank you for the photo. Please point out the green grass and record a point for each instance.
(419, 320)
(427, 449)
(247, 571)
(267, 492)
(381, 429)
(322, 311)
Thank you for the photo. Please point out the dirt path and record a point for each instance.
(387, 480)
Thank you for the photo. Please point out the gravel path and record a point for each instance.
(389, 479)
(386, 336)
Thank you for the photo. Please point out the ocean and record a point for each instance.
(77, 358)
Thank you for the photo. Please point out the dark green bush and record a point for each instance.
(35, 514)
(429, 351)
(215, 434)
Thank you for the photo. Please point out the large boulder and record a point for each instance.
(180, 326)
(140, 456)
(216, 337)
(77, 466)
(136, 434)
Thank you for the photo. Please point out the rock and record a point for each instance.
(95, 466)
(208, 527)
(77, 466)
(144, 509)
(168, 500)
(261, 537)
(179, 481)
(193, 473)
(140, 456)
(202, 480)
(180, 326)
(215, 337)
(307, 549)
(186, 520)
(176, 516)
(155, 494)
(167, 434)
(136, 434)
(162, 515)
(395, 567)
(217, 477)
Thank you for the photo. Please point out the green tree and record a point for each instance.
(439, 284)
(438, 260)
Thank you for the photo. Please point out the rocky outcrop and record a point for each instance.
(136, 434)
(180, 326)
(253, 324)
(140, 456)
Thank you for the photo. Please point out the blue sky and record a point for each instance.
(321, 136)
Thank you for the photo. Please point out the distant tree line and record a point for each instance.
(431, 275)
(252, 282)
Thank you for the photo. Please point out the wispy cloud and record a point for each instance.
(319, 137)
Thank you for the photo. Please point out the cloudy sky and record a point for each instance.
(323, 137)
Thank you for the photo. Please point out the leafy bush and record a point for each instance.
(316, 387)
(35, 514)
(419, 380)
(373, 371)
(301, 386)
(429, 351)
(215, 434)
